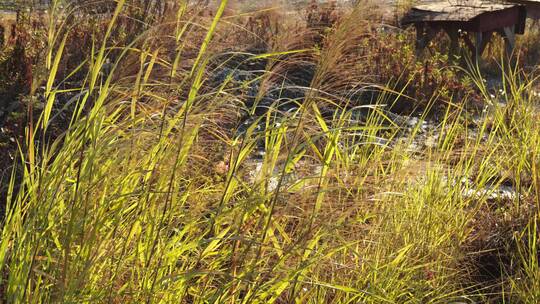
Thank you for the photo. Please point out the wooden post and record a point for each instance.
(509, 40)
(453, 34)
(424, 34)
(420, 38)
(478, 47)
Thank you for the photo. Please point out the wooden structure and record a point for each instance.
(473, 21)
(532, 7)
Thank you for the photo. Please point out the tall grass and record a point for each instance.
(149, 196)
